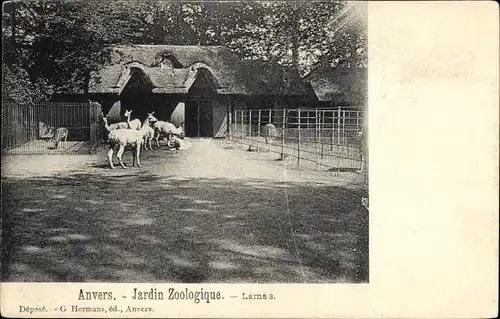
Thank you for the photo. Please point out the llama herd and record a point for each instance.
(139, 136)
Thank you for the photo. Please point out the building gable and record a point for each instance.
(173, 69)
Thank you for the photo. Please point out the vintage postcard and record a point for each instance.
(260, 159)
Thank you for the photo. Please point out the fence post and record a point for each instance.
(343, 128)
(230, 122)
(298, 138)
(357, 121)
(258, 132)
(338, 126)
(98, 137)
(90, 130)
(316, 138)
(250, 130)
(333, 131)
(283, 132)
(322, 128)
(270, 120)
(241, 125)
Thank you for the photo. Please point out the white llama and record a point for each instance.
(126, 137)
(168, 129)
(133, 125)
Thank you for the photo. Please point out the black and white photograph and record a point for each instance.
(185, 142)
(249, 159)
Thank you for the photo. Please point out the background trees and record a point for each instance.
(52, 46)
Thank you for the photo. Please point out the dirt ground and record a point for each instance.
(207, 214)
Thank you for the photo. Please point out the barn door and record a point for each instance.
(199, 118)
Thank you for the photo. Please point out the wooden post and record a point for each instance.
(90, 130)
(338, 126)
(316, 138)
(236, 133)
(298, 138)
(250, 130)
(283, 132)
(322, 128)
(308, 127)
(230, 122)
(357, 121)
(333, 131)
(241, 131)
(258, 132)
(343, 128)
(270, 121)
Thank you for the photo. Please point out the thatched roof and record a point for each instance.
(346, 86)
(172, 69)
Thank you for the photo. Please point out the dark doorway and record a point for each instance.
(137, 95)
(198, 111)
(199, 118)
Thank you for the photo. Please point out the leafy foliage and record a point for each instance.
(18, 88)
(56, 44)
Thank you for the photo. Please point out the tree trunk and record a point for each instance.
(295, 37)
(202, 33)
(220, 38)
(13, 38)
(218, 28)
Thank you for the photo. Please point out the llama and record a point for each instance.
(133, 125)
(177, 143)
(270, 133)
(150, 132)
(176, 139)
(148, 138)
(45, 131)
(361, 149)
(167, 128)
(126, 137)
(116, 126)
(365, 202)
(59, 135)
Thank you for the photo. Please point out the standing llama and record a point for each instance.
(361, 149)
(270, 133)
(168, 129)
(150, 131)
(115, 126)
(133, 125)
(59, 135)
(120, 138)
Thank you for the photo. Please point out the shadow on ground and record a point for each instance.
(147, 228)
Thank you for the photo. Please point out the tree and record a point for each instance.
(60, 42)
(305, 34)
(18, 88)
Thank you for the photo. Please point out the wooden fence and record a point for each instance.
(321, 139)
(30, 129)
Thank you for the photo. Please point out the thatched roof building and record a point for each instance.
(338, 86)
(195, 86)
(172, 69)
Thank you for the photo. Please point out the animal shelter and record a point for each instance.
(196, 87)
(50, 128)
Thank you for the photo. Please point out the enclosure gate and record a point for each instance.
(320, 139)
(32, 129)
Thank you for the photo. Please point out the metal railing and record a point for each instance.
(31, 129)
(320, 139)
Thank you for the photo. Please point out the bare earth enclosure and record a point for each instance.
(212, 213)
